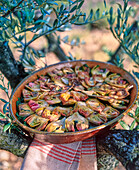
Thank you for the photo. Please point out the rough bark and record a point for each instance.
(124, 145)
(13, 71)
(105, 161)
(14, 142)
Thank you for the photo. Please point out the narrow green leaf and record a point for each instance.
(73, 9)
(1, 87)
(61, 8)
(28, 66)
(125, 5)
(137, 120)
(5, 108)
(75, 2)
(66, 39)
(80, 4)
(120, 6)
(118, 18)
(124, 125)
(113, 20)
(105, 4)
(20, 37)
(3, 35)
(137, 127)
(3, 100)
(40, 21)
(55, 23)
(108, 20)
(135, 66)
(6, 127)
(6, 35)
(56, 12)
(71, 56)
(97, 13)
(8, 85)
(2, 116)
(132, 125)
(130, 114)
(111, 11)
(111, 15)
(91, 14)
(137, 112)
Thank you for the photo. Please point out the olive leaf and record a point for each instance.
(124, 125)
(6, 127)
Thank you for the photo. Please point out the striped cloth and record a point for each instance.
(73, 156)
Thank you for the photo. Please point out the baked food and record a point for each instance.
(73, 99)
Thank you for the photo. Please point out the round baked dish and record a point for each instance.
(72, 101)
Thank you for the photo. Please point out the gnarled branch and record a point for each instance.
(14, 142)
(124, 145)
(13, 71)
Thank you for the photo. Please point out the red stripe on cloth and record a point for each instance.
(61, 156)
(89, 150)
(68, 150)
(57, 153)
(88, 146)
(52, 155)
(42, 143)
(59, 149)
(64, 153)
(76, 159)
(74, 150)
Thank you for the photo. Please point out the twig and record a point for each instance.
(12, 10)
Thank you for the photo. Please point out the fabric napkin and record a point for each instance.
(73, 156)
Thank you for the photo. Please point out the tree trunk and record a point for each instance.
(14, 142)
(13, 71)
(124, 145)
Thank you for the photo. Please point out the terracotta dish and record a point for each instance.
(68, 137)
